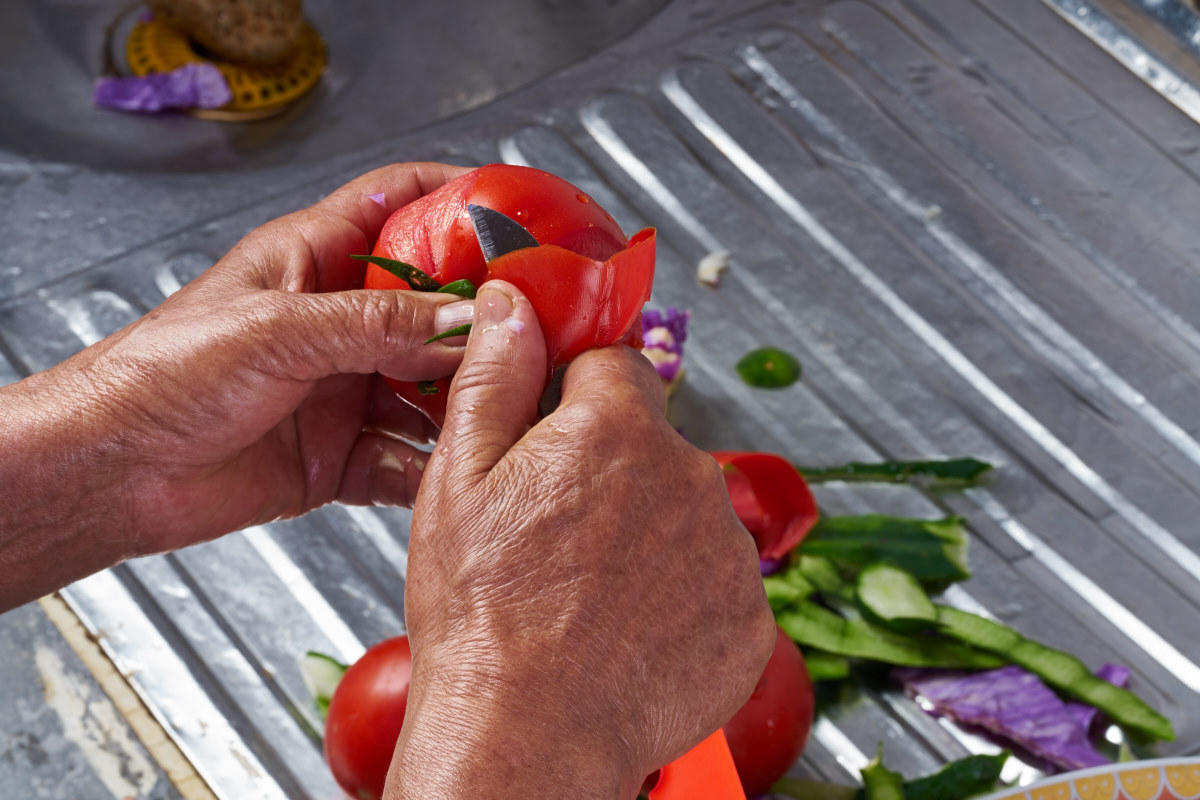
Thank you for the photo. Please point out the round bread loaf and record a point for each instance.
(243, 31)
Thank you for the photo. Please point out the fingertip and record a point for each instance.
(494, 396)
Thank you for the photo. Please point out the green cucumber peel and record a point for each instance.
(881, 783)
(1061, 671)
(784, 589)
(955, 472)
(933, 550)
(813, 626)
(824, 666)
(824, 574)
(966, 777)
(802, 789)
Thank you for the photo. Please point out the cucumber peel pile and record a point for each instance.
(860, 589)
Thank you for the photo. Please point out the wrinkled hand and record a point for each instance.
(248, 395)
(582, 602)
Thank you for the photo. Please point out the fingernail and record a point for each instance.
(453, 315)
(494, 306)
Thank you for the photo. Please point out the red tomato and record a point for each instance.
(365, 716)
(770, 498)
(435, 235)
(769, 732)
(586, 282)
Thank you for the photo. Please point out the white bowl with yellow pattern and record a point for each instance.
(1159, 779)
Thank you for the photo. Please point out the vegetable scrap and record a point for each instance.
(708, 271)
(415, 278)
(1015, 704)
(770, 499)
(663, 335)
(967, 777)
(769, 368)
(933, 550)
(190, 86)
(857, 589)
(950, 472)
(461, 330)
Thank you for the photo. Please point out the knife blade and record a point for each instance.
(498, 233)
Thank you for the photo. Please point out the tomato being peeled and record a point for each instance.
(365, 716)
(586, 281)
(769, 732)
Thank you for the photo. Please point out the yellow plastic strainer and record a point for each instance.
(258, 91)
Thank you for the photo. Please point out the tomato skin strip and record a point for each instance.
(581, 302)
(771, 498)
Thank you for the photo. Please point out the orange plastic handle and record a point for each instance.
(706, 772)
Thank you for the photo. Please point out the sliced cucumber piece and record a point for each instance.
(321, 673)
(894, 597)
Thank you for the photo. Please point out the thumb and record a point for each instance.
(494, 397)
(363, 331)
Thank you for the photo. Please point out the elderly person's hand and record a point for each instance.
(582, 602)
(249, 395)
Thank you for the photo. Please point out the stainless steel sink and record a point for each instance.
(972, 221)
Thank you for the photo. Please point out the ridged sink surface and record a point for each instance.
(973, 224)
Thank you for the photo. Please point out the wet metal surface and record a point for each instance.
(973, 225)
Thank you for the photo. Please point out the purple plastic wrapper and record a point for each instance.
(189, 86)
(1014, 704)
(663, 335)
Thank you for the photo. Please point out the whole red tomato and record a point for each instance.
(586, 281)
(769, 732)
(365, 716)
